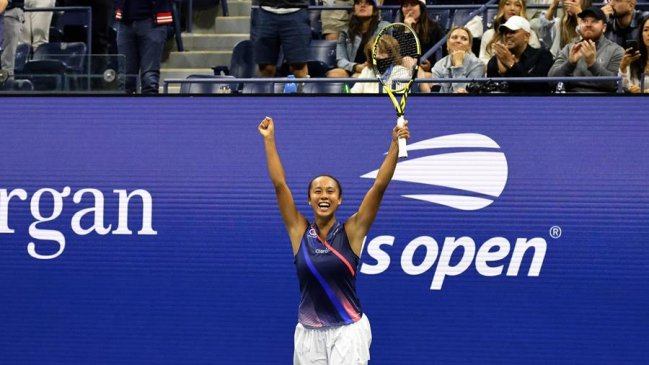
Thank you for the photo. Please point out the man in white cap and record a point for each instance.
(514, 57)
(594, 55)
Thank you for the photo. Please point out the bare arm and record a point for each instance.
(3, 5)
(359, 224)
(294, 221)
(549, 14)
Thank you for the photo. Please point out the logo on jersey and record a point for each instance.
(468, 171)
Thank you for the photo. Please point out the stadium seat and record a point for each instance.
(322, 59)
(241, 64)
(72, 55)
(258, 88)
(22, 85)
(208, 88)
(56, 35)
(56, 66)
(323, 88)
(46, 75)
(23, 52)
(324, 51)
(317, 68)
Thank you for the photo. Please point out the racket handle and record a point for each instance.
(403, 152)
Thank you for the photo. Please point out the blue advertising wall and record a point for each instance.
(515, 233)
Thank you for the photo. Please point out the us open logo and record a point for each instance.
(468, 171)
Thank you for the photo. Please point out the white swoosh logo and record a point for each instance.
(481, 172)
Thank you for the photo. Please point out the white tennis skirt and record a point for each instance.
(341, 345)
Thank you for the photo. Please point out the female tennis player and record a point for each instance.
(332, 328)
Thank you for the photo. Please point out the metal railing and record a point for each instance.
(348, 80)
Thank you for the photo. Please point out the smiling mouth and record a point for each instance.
(324, 205)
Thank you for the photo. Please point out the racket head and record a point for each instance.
(395, 56)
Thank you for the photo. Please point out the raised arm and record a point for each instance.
(359, 224)
(294, 221)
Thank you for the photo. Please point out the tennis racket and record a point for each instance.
(395, 61)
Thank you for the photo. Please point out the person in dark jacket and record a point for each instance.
(141, 34)
(514, 57)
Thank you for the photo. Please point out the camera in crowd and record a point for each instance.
(487, 87)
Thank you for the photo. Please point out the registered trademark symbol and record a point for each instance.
(555, 232)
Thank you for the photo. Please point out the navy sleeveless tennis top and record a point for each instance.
(326, 271)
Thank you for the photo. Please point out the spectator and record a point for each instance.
(554, 32)
(366, 73)
(414, 14)
(334, 21)
(3, 6)
(364, 25)
(37, 23)
(14, 18)
(141, 34)
(634, 63)
(285, 24)
(388, 47)
(623, 20)
(460, 63)
(515, 58)
(595, 55)
(506, 9)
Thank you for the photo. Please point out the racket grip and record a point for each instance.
(403, 152)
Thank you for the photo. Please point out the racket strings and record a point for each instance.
(396, 57)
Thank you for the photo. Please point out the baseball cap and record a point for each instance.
(515, 23)
(594, 12)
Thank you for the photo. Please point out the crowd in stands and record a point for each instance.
(519, 38)
(140, 34)
(561, 38)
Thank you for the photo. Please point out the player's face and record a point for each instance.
(458, 41)
(511, 8)
(411, 9)
(324, 196)
(592, 28)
